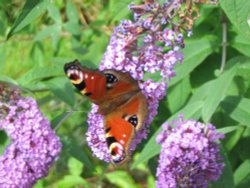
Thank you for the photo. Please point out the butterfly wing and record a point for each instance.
(121, 126)
(108, 89)
(89, 82)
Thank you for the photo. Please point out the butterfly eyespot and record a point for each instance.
(111, 79)
(133, 120)
(117, 152)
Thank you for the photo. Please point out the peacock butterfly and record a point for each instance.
(120, 100)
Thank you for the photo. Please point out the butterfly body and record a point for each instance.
(120, 101)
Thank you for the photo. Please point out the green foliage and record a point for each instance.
(38, 37)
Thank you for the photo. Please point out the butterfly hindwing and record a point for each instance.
(122, 124)
(119, 133)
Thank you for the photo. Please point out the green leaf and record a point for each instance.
(7, 79)
(234, 138)
(71, 12)
(121, 179)
(178, 94)
(37, 53)
(49, 31)
(39, 73)
(70, 181)
(75, 166)
(200, 93)
(31, 10)
(54, 14)
(244, 183)
(62, 89)
(217, 91)
(242, 172)
(77, 152)
(4, 140)
(193, 56)
(72, 27)
(229, 129)
(238, 11)
(238, 109)
(242, 44)
(95, 50)
(58, 120)
(39, 184)
(151, 148)
(151, 181)
(119, 9)
(226, 180)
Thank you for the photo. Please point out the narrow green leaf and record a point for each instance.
(242, 44)
(193, 56)
(39, 184)
(242, 172)
(151, 148)
(70, 181)
(7, 79)
(72, 27)
(119, 9)
(217, 92)
(54, 14)
(62, 89)
(75, 166)
(95, 50)
(77, 151)
(39, 73)
(178, 94)
(229, 129)
(31, 10)
(200, 93)
(244, 183)
(49, 31)
(121, 179)
(71, 12)
(226, 180)
(151, 181)
(58, 120)
(238, 109)
(234, 138)
(4, 140)
(238, 12)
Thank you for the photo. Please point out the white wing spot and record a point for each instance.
(81, 76)
(122, 142)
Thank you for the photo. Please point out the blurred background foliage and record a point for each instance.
(38, 37)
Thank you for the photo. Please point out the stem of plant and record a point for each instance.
(224, 42)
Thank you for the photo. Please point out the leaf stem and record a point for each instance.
(224, 42)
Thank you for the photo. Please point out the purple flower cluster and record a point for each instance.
(34, 146)
(189, 156)
(96, 135)
(139, 46)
